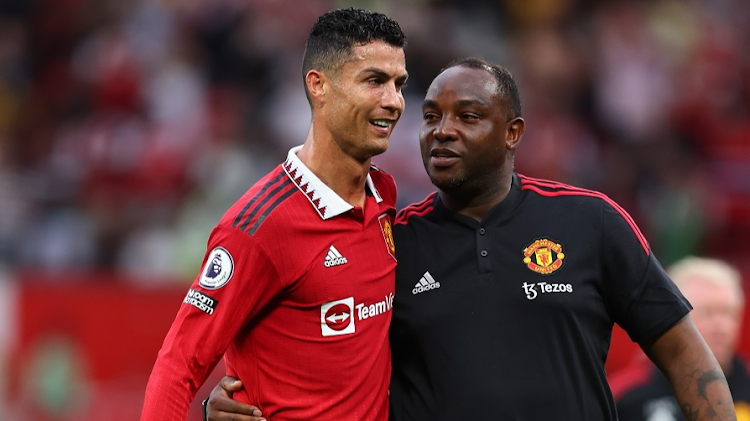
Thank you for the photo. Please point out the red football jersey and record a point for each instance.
(296, 292)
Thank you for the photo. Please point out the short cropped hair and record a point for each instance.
(715, 271)
(329, 44)
(507, 87)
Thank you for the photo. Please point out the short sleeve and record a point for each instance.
(641, 297)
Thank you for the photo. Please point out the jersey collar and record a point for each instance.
(499, 212)
(323, 199)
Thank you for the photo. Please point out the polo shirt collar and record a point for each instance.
(323, 199)
(499, 212)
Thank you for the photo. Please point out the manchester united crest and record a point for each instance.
(387, 229)
(543, 256)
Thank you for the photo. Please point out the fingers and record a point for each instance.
(229, 384)
(225, 409)
(221, 406)
(234, 415)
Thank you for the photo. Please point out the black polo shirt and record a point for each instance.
(511, 318)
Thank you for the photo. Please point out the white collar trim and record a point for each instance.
(325, 201)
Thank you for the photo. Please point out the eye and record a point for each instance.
(471, 117)
(429, 116)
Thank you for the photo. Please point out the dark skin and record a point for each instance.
(467, 146)
(468, 142)
(699, 384)
(221, 406)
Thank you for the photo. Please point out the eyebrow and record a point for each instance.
(460, 103)
(470, 102)
(383, 74)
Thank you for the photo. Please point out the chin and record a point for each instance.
(447, 184)
(377, 147)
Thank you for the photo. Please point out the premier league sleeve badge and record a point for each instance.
(218, 269)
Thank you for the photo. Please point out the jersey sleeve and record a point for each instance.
(236, 281)
(641, 297)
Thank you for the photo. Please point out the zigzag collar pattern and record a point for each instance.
(325, 201)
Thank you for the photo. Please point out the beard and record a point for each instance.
(469, 185)
(449, 185)
(466, 186)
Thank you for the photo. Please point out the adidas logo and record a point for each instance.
(334, 258)
(426, 283)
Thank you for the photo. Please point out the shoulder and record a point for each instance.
(556, 190)
(591, 204)
(265, 197)
(416, 210)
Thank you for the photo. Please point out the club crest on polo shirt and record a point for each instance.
(543, 256)
(218, 269)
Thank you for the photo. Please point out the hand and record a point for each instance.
(221, 406)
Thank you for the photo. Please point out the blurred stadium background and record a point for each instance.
(128, 127)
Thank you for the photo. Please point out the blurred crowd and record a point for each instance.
(128, 127)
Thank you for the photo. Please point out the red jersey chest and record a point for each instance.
(339, 272)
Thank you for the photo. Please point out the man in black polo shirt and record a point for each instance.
(507, 287)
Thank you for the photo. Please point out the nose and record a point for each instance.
(393, 99)
(445, 130)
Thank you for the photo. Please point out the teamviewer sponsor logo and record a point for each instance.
(426, 283)
(336, 317)
(200, 301)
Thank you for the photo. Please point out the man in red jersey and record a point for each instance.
(507, 287)
(297, 286)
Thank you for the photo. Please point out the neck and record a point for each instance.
(476, 205)
(344, 174)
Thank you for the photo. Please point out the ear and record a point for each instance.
(317, 84)
(514, 132)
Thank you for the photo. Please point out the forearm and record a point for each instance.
(699, 384)
(173, 384)
(165, 399)
(185, 360)
(703, 394)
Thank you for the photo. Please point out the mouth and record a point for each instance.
(443, 157)
(383, 125)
